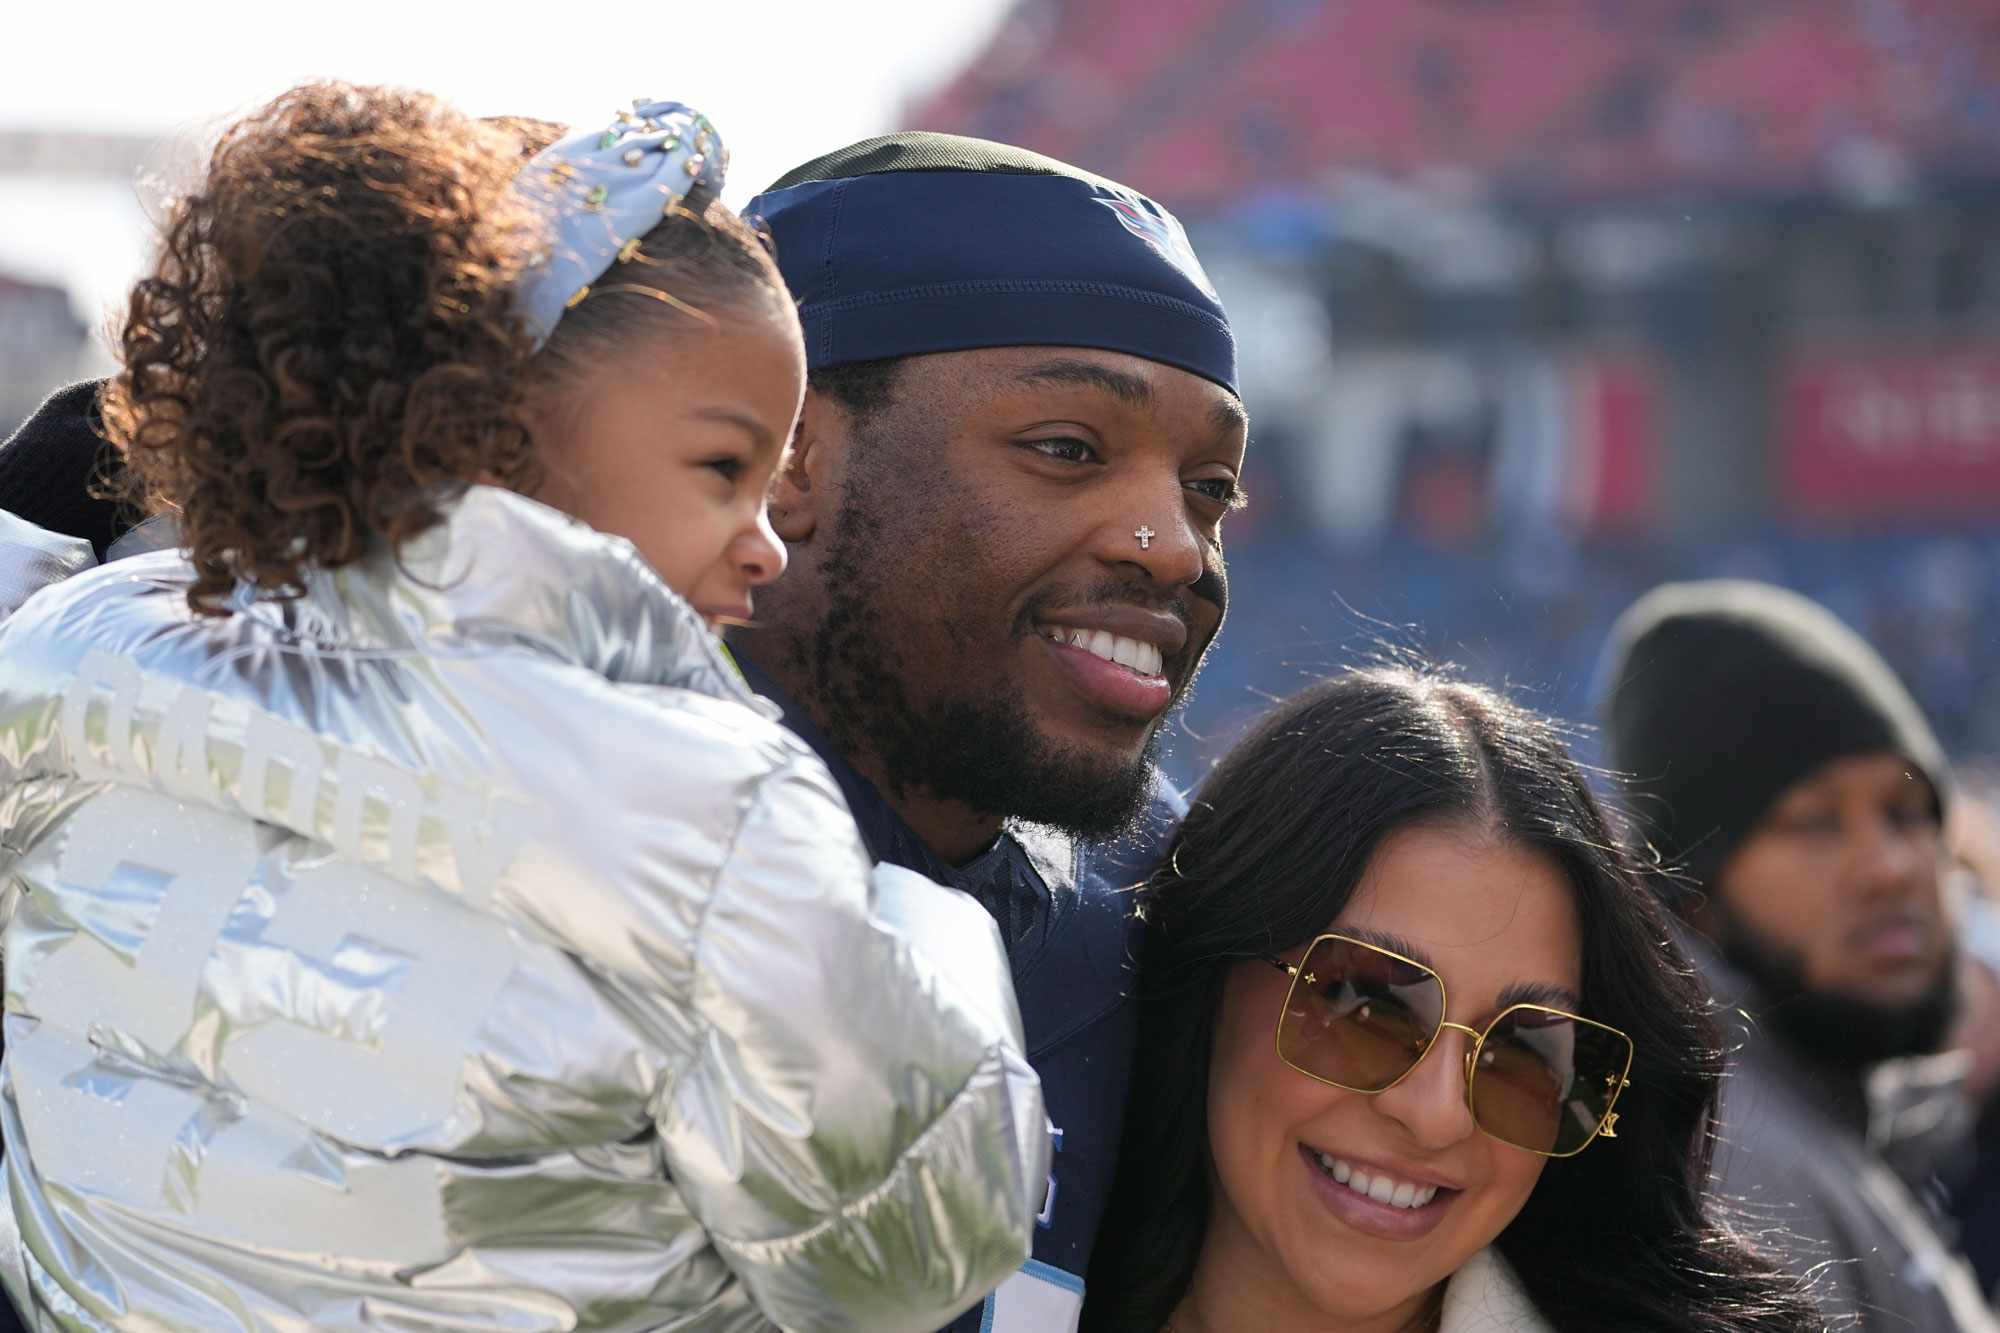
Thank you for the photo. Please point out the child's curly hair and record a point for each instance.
(327, 351)
(325, 348)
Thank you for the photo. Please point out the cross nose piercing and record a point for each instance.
(1145, 536)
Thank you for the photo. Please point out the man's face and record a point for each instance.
(1841, 886)
(1020, 568)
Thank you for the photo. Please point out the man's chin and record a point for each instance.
(1088, 789)
(1849, 1029)
(1107, 749)
(1845, 1028)
(992, 754)
(1898, 993)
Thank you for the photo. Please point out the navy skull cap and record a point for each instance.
(918, 242)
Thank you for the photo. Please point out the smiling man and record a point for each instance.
(1004, 509)
(1775, 760)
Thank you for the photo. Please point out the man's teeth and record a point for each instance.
(1131, 654)
(1380, 1188)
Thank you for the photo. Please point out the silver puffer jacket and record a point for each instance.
(463, 946)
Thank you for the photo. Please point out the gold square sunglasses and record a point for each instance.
(1361, 1018)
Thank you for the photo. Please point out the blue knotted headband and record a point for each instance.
(603, 191)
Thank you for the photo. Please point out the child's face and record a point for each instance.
(672, 442)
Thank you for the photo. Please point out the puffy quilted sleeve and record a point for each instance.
(855, 1124)
(33, 558)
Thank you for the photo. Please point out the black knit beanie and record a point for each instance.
(49, 465)
(1723, 694)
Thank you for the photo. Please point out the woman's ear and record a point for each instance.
(796, 490)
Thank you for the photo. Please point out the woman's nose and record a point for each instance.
(1431, 1102)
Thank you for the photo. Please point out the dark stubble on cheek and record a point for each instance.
(977, 746)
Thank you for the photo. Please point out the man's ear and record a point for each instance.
(805, 476)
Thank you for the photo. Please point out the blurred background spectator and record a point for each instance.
(42, 344)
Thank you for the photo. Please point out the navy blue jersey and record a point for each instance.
(1065, 912)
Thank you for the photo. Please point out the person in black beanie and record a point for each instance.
(50, 469)
(1793, 791)
(56, 516)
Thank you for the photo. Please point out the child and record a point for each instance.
(413, 919)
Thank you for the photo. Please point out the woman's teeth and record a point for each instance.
(1133, 655)
(1380, 1188)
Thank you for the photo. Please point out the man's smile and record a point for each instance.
(1116, 656)
(1142, 659)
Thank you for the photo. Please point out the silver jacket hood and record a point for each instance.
(463, 945)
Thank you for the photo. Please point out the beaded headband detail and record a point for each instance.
(603, 190)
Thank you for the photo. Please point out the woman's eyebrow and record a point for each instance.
(1383, 939)
(1550, 993)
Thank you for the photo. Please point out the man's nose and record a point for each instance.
(1157, 537)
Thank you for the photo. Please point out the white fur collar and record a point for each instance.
(1486, 1297)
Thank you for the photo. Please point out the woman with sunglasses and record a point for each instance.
(1416, 1053)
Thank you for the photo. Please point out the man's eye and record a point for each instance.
(1065, 449)
(1813, 823)
(1221, 490)
(730, 467)
(1910, 814)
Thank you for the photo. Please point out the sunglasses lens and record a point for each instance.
(1358, 1017)
(1545, 1080)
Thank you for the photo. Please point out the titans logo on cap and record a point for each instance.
(1162, 231)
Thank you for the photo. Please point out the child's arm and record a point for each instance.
(854, 1124)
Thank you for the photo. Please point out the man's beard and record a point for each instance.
(980, 749)
(1837, 1028)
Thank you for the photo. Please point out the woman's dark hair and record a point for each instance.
(326, 349)
(1620, 1236)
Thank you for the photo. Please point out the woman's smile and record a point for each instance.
(1378, 1202)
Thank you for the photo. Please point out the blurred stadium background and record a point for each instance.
(1540, 301)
